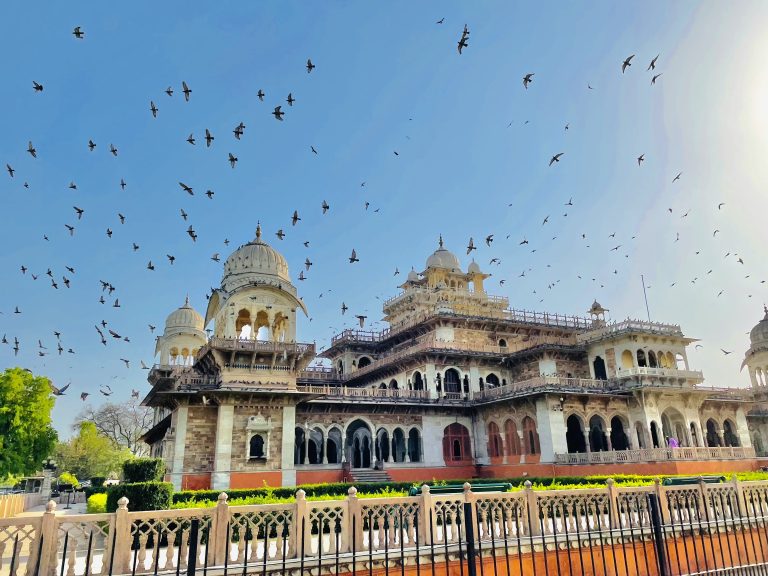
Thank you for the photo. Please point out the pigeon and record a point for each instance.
(653, 80)
(556, 158)
(37, 87)
(488, 240)
(186, 90)
(187, 189)
(652, 65)
(10, 170)
(527, 79)
(113, 150)
(91, 145)
(353, 258)
(361, 319)
(344, 308)
(32, 150)
(84, 395)
(278, 114)
(260, 94)
(191, 138)
(627, 63)
(640, 159)
(232, 160)
(78, 33)
(471, 246)
(280, 234)
(325, 207)
(290, 99)
(169, 91)
(208, 138)
(58, 391)
(295, 218)
(310, 66)
(153, 109)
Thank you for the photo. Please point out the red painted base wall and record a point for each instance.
(532, 469)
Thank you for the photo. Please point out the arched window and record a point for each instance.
(597, 440)
(619, 440)
(452, 382)
(530, 436)
(300, 447)
(456, 445)
(511, 438)
(502, 343)
(363, 362)
(340, 367)
(599, 367)
(730, 438)
(680, 362)
(495, 446)
(641, 359)
(243, 319)
(393, 384)
(417, 381)
(398, 445)
(414, 445)
(574, 435)
(652, 359)
(713, 435)
(627, 361)
(492, 381)
(256, 451)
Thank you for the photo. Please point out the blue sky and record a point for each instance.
(473, 150)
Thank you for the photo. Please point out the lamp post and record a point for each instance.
(49, 467)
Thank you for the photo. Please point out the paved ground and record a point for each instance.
(78, 508)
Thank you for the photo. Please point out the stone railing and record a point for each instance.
(631, 326)
(544, 383)
(351, 393)
(240, 345)
(659, 372)
(657, 455)
(274, 538)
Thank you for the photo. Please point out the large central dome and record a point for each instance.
(255, 261)
(442, 258)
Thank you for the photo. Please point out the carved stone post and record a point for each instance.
(531, 519)
(122, 527)
(354, 523)
(427, 520)
(46, 561)
(218, 540)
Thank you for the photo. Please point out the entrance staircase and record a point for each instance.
(366, 475)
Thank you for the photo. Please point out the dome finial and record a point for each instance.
(765, 309)
(441, 241)
(258, 231)
(186, 301)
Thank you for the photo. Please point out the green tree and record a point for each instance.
(26, 434)
(90, 453)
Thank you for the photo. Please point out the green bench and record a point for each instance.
(459, 488)
(686, 480)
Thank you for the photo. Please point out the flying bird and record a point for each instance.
(290, 99)
(310, 66)
(260, 94)
(32, 150)
(232, 160)
(361, 319)
(278, 113)
(626, 63)
(527, 79)
(325, 207)
(556, 158)
(208, 138)
(640, 159)
(78, 33)
(652, 65)
(353, 258)
(471, 246)
(295, 218)
(153, 109)
(280, 234)
(676, 178)
(58, 391)
(37, 87)
(653, 80)
(186, 90)
(187, 189)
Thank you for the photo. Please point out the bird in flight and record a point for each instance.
(653, 80)
(78, 33)
(471, 246)
(187, 189)
(10, 170)
(232, 160)
(32, 150)
(652, 65)
(295, 218)
(353, 258)
(280, 234)
(91, 145)
(290, 99)
(169, 91)
(440, 21)
(627, 63)
(84, 395)
(361, 319)
(58, 391)
(527, 79)
(153, 109)
(186, 90)
(640, 159)
(261, 94)
(208, 138)
(556, 158)
(325, 207)
(191, 138)
(676, 178)
(310, 66)
(726, 352)
(37, 87)
(489, 240)
(344, 308)
(278, 113)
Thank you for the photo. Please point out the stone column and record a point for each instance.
(586, 442)
(222, 461)
(305, 460)
(287, 449)
(608, 439)
(522, 446)
(550, 425)
(474, 381)
(742, 429)
(481, 441)
(429, 380)
(179, 444)
(700, 434)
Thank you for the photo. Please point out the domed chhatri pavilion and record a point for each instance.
(458, 385)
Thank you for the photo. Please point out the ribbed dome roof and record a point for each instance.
(184, 317)
(442, 258)
(413, 276)
(759, 334)
(474, 268)
(256, 258)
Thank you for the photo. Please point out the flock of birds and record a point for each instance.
(107, 333)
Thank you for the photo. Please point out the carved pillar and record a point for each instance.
(608, 439)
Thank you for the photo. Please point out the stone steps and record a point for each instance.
(361, 476)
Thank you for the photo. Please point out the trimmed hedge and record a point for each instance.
(143, 470)
(98, 481)
(141, 496)
(340, 489)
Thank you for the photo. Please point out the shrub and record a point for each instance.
(98, 481)
(143, 470)
(96, 504)
(68, 478)
(141, 496)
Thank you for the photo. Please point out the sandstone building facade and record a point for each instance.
(458, 385)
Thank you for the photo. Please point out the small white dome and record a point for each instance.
(413, 276)
(759, 334)
(184, 317)
(442, 258)
(474, 268)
